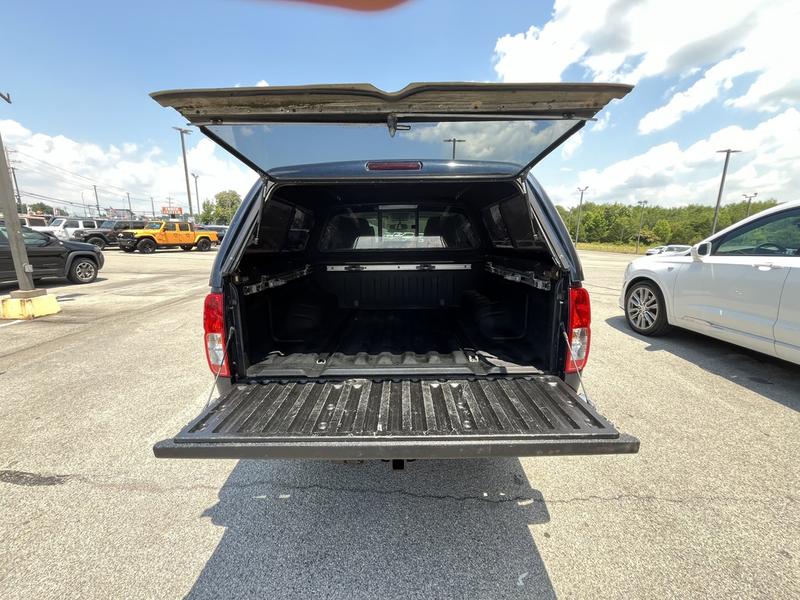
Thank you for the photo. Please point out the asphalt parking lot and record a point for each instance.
(708, 508)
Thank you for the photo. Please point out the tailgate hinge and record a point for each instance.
(540, 282)
(273, 281)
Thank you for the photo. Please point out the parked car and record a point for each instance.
(64, 227)
(220, 230)
(413, 306)
(675, 249)
(106, 233)
(33, 221)
(655, 250)
(166, 234)
(740, 285)
(51, 257)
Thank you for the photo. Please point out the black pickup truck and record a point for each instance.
(407, 289)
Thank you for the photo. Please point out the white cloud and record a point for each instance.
(512, 141)
(602, 122)
(670, 175)
(262, 83)
(620, 40)
(63, 168)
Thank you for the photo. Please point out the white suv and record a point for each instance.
(64, 227)
(741, 285)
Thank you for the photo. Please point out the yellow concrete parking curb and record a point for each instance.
(28, 308)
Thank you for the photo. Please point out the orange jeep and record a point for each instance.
(166, 234)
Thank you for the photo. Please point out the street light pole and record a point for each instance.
(185, 132)
(130, 210)
(454, 142)
(196, 192)
(728, 153)
(153, 206)
(641, 203)
(96, 200)
(749, 199)
(580, 208)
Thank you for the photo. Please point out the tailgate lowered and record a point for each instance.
(387, 419)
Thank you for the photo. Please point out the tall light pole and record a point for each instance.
(454, 141)
(641, 203)
(196, 192)
(749, 199)
(130, 210)
(580, 208)
(728, 153)
(96, 200)
(153, 206)
(185, 132)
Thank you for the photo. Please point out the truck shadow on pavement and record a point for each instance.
(438, 529)
(766, 375)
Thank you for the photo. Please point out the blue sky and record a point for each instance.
(80, 75)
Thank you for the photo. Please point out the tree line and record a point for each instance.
(619, 223)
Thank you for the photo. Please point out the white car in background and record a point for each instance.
(64, 227)
(741, 285)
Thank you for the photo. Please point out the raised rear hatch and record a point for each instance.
(504, 123)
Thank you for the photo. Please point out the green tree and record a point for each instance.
(207, 215)
(227, 203)
(41, 208)
(662, 230)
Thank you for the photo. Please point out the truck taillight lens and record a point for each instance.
(580, 334)
(214, 327)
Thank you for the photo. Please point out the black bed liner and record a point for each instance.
(370, 419)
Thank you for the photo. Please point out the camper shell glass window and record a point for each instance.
(397, 228)
(284, 228)
(510, 225)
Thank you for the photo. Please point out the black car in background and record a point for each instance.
(220, 230)
(52, 257)
(106, 234)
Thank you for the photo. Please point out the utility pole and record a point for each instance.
(196, 192)
(19, 253)
(580, 208)
(96, 200)
(185, 132)
(728, 153)
(641, 203)
(22, 302)
(16, 189)
(454, 142)
(748, 196)
(130, 210)
(153, 206)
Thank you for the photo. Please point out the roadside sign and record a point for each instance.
(171, 210)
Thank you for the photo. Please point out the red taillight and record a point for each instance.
(394, 165)
(214, 327)
(579, 332)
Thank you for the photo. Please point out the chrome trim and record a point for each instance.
(400, 267)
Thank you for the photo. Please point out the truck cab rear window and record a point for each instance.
(398, 228)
